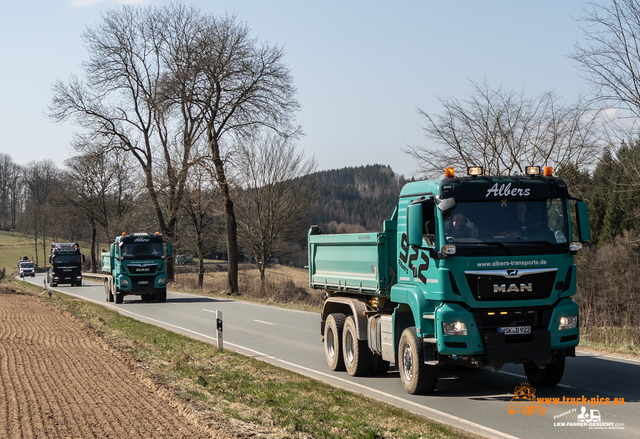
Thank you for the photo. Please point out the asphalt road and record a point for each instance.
(475, 400)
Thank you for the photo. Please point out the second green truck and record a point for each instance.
(474, 270)
(135, 265)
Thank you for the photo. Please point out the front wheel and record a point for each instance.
(417, 378)
(547, 377)
(162, 295)
(356, 353)
(119, 296)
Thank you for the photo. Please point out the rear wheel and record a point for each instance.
(547, 377)
(356, 353)
(333, 341)
(417, 378)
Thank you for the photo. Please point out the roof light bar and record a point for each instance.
(475, 170)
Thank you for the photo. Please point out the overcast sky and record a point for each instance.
(362, 68)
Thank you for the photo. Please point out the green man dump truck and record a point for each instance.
(66, 264)
(475, 271)
(135, 265)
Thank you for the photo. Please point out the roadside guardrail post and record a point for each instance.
(219, 329)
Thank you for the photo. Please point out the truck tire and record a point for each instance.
(162, 295)
(119, 296)
(333, 341)
(108, 294)
(547, 377)
(356, 353)
(417, 378)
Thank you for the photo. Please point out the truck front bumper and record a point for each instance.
(484, 344)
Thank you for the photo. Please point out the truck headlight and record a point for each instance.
(162, 280)
(124, 281)
(448, 249)
(569, 322)
(454, 328)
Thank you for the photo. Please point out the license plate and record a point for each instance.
(143, 282)
(511, 330)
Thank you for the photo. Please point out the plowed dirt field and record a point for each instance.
(59, 380)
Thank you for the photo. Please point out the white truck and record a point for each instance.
(26, 267)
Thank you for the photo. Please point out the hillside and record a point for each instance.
(356, 199)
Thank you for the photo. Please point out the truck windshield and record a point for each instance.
(141, 250)
(26, 264)
(66, 259)
(541, 222)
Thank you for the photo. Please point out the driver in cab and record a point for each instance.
(459, 226)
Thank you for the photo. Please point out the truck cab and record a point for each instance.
(474, 270)
(66, 264)
(135, 265)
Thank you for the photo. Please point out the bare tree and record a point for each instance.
(275, 197)
(40, 179)
(243, 86)
(100, 187)
(202, 205)
(133, 100)
(10, 174)
(504, 131)
(610, 57)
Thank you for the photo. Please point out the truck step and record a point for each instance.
(430, 340)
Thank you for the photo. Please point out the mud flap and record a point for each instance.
(538, 350)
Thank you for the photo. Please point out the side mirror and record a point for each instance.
(446, 204)
(582, 218)
(50, 260)
(83, 259)
(168, 248)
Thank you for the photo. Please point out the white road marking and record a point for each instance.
(266, 323)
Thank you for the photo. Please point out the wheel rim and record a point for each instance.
(331, 343)
(407, 363)
(348, 347)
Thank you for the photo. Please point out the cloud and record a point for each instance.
(79, 4)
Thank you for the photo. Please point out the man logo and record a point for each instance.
(512, 288)
(512, 273)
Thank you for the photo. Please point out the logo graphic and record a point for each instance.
(512, 273)
(513, 288)
(504, 190)
(588, 418)
(524, 401)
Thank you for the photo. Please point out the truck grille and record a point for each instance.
(142, 268)
(523, 284)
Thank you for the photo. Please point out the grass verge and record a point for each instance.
(246, 389)
(623, 341)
